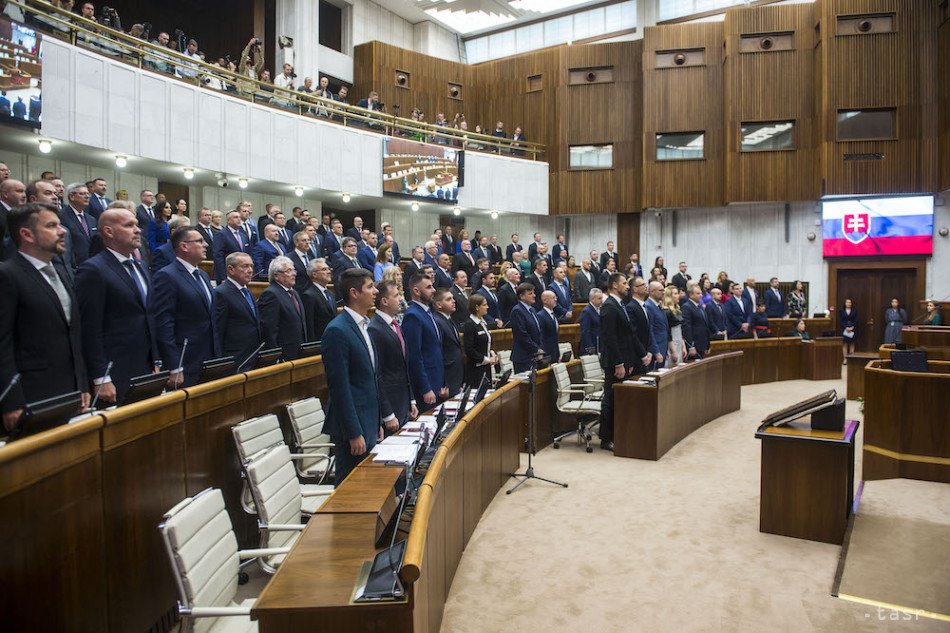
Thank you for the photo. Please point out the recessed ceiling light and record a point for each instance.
(189, 173)
(346, 197)
(46, 146)
(494, 215)
(415, 206)
(457, 211)
(298, 191)
(242, 183)
(121, 161)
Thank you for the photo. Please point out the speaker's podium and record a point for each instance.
(807, 486)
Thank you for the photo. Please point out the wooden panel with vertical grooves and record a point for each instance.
(943, 94)
(753, 92)
(685, 99)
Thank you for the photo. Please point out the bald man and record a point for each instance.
(12, 194)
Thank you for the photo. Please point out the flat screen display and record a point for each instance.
(419, 170)
(897, 225)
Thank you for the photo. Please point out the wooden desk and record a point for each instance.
(855, 365)
(815, 327)
(784, 358)
(807, 481)
(905, 416)
(650, 420)
(822, 358)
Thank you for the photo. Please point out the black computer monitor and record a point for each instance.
(146, 386)
(268, 357)
(45, 414)
(504, 377)
(482, 389)
(466, 395)
(311, 348)
(909, 360)
(566, 356)
(216, 368)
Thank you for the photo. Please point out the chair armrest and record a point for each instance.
(214, 612)
(316, 445)
(314, 494)
(263, 551)
(280, 527)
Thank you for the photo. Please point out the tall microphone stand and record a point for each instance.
(529, 471)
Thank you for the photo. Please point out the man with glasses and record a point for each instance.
(344, 259)
(281, 311)
(182, 306)
(319, 304)
(82, 227)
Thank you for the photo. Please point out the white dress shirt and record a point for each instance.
(362, 323)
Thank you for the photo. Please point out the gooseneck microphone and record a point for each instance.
(181, 362)
(253, 354)
(13, 383)
(95, 398)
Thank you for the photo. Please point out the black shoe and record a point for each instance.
(607, 446)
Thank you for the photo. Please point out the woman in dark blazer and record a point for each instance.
(478, 355)
(158, 232)
(849, 325)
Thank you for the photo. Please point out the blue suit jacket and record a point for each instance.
(162, 257)
(659, 328)
(331, 245)
(548, 335)
(556, 252)
(340, 263)
(590, 329)
(95, 209)
(181, 312)
(525, 334)
(224, 245)
(353, 407)
(494, 312)
(237, 325)
(695, 328)
(735, 316)
(564, 304)
(116, 325)
(81, 241)
(366, 258)
(774, 306)
(715, 318)
(424, 350)
(748, 304)
(263, 254)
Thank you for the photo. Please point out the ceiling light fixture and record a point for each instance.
(189, 173)
(346, 197)
(414, 206)
(46, 145)
(242, 183)
(298, 191)
(494, 215)
(457, 211)
(121, 160)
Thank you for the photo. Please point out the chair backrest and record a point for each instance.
(504, 361)
(254, 435)
(563, 380)
(306, 424)
(276, 491)
(203, 552)
(564, 347)
(590, 364)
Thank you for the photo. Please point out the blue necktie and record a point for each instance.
(138, 282)
(206, 291)
(249, 299)
(330, 300)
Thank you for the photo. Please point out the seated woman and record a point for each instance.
(799, 331)
(760, 322)
(933, 315)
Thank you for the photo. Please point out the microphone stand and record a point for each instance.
(532, 447)
(92, 406)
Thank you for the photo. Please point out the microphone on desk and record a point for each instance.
(13, 383)
(181, 362)
(95, 398)
(253, 354)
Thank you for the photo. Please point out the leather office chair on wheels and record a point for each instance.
(205, 559)
(306, 423)
(593, 375)
(585, 410)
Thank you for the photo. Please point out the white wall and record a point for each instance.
(589, 232)
(373, 22)
(432, 39)
(28, 167)
(938, 267)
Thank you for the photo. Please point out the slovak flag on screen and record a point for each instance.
(878, 226)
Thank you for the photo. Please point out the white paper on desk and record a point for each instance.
(402, 438)
(399, 453)
(417, 425)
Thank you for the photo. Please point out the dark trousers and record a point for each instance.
(344, 462)
(520, 367)
(606, 432)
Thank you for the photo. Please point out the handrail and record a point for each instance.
(151, 57)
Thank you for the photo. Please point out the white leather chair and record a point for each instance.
(593, 375)
(204, 557)
(561, 348)
(253, 436)
(306, 422)
(278, 499)
(585, 410)
(504, 362)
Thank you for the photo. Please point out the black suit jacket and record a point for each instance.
(477, 347)
(695, 328)
(340, 263)
(641, 328)
(395, 392)
(209, 236)
(618, 341)
(442, 280)
(507, 298)
(35, 339)
(318, 310)
(605, 256)
(116, 325)
(461, 262)
(539, 287)
(239, 330)
(81, 241)
(302, 282)
(451, 353)
(460, 316)
(679, 280)
(143, 217)
(281, 324)
(548, 335)
(224, 245)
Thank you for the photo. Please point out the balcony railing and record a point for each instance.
(91, 35)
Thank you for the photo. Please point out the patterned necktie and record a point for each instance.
(402, 343)
(207, 293)
(249, 299)
(82, 221)
(61, 293)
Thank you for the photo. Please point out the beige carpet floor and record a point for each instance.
(899, 553)
(671, 545)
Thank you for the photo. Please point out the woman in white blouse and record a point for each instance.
(478, 355)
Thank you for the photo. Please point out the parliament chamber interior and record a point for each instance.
(475, 316)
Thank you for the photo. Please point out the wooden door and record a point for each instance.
(871, 292)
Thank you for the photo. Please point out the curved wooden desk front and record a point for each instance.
(785, 358)
(650, 420)
(906, 429)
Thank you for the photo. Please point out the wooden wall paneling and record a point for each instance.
(879, 70)
(943, 96)
(687, 99)
(628, 237)
(773, 85)
(52, 533)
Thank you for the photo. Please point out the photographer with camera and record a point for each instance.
(188, 71)
(325, 93)
(251, 64)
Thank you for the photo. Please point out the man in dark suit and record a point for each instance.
(113, 289)
(695, 328)
(356, 230)
(590, 323)
(525, 330)
(280, 310)
(494, 250)
(80, 224)
(333, 241)
(774, 301)
(144, 212)
(319, 304)
(539, 270)
(40, 323)
(12, 194)
(431, 255)
(483, 266)
(595, 268)
(97, 198)
(366, 253)
(460, 315)
(395, 390)
(423, 345)
(293, 223)
(182, 306)
(610, 253)
(605, 274)
(533, 247)
(636, 310)
(564, 307)
(301, 255)
(548, 325)
(452, 361)
(735, 313)
(715, 316)
(245, 209)
(387, 232)
(750, 298)
(482, 250)
(235, 314)
(268, 217)
(679, 279)
(659, 326)
(443, 274)
(203, 226)
(487, 290)
(344, 259)
(513, 247)
(232, 239)
(633, 267)
(584, 280)
(508, 294)
(448, 241)
(559, 252)
(464, 261)
(621, 351)
(265, 251)
(353, 407)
